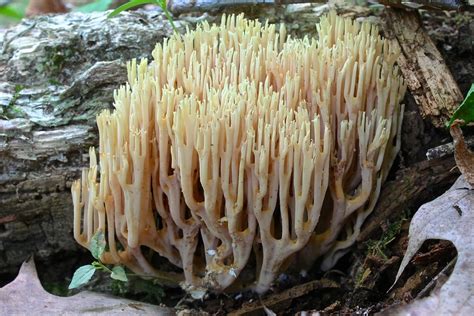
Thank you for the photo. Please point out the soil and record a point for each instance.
(358, 284)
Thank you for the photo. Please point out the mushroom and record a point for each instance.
(239, 144)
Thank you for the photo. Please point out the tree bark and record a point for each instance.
(424, 69)
(56, 74)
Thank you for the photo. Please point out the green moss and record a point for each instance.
(148, 291)
(54, 82)
(12, 110)
(379, 247)
(55, 60)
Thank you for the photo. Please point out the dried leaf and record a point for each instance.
(464, 157)
(25, 295)
(39, 7)
(449, 217)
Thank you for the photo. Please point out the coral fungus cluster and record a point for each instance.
(238, 144)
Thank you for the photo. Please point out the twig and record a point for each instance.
(290, 294)
(435, 282)
(446, 149)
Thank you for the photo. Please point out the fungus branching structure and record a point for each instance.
(239, 148)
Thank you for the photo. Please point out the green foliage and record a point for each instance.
(10, 12)
(98, 244)
(82, 276)
(362, 275)
(99, 5)
(129, 5)
(148, 291)
(465, 111)
(379, 247)
(135, 3)
(12, 111)
(118, 273)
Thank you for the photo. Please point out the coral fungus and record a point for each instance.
(239, 144)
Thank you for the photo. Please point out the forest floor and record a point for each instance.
(359, 283)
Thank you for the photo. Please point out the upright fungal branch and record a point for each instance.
(238, 144)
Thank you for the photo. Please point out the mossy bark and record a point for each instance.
(56, 74)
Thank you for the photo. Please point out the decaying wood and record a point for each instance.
(447, 149)
(411, 187)
(285, 296)
(428, 78)
(187, 6)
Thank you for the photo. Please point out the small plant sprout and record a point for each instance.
(85, 273)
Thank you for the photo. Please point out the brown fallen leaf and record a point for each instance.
(464, 157)
(25, 295)
(449, 217)
(39, 7)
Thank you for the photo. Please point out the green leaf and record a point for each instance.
(118, 273)
(99, 5)
(99, 266)
(161, 3)
(134, 3)
(81, 276)
(129, 5)
(10, 12)
(98, 244)
(466, 110)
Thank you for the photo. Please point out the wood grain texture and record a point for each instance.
(427, 76)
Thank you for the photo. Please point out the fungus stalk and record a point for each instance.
(238, 144)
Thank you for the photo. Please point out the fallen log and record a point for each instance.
(411, 187)
(424, 69)
(56, 74)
